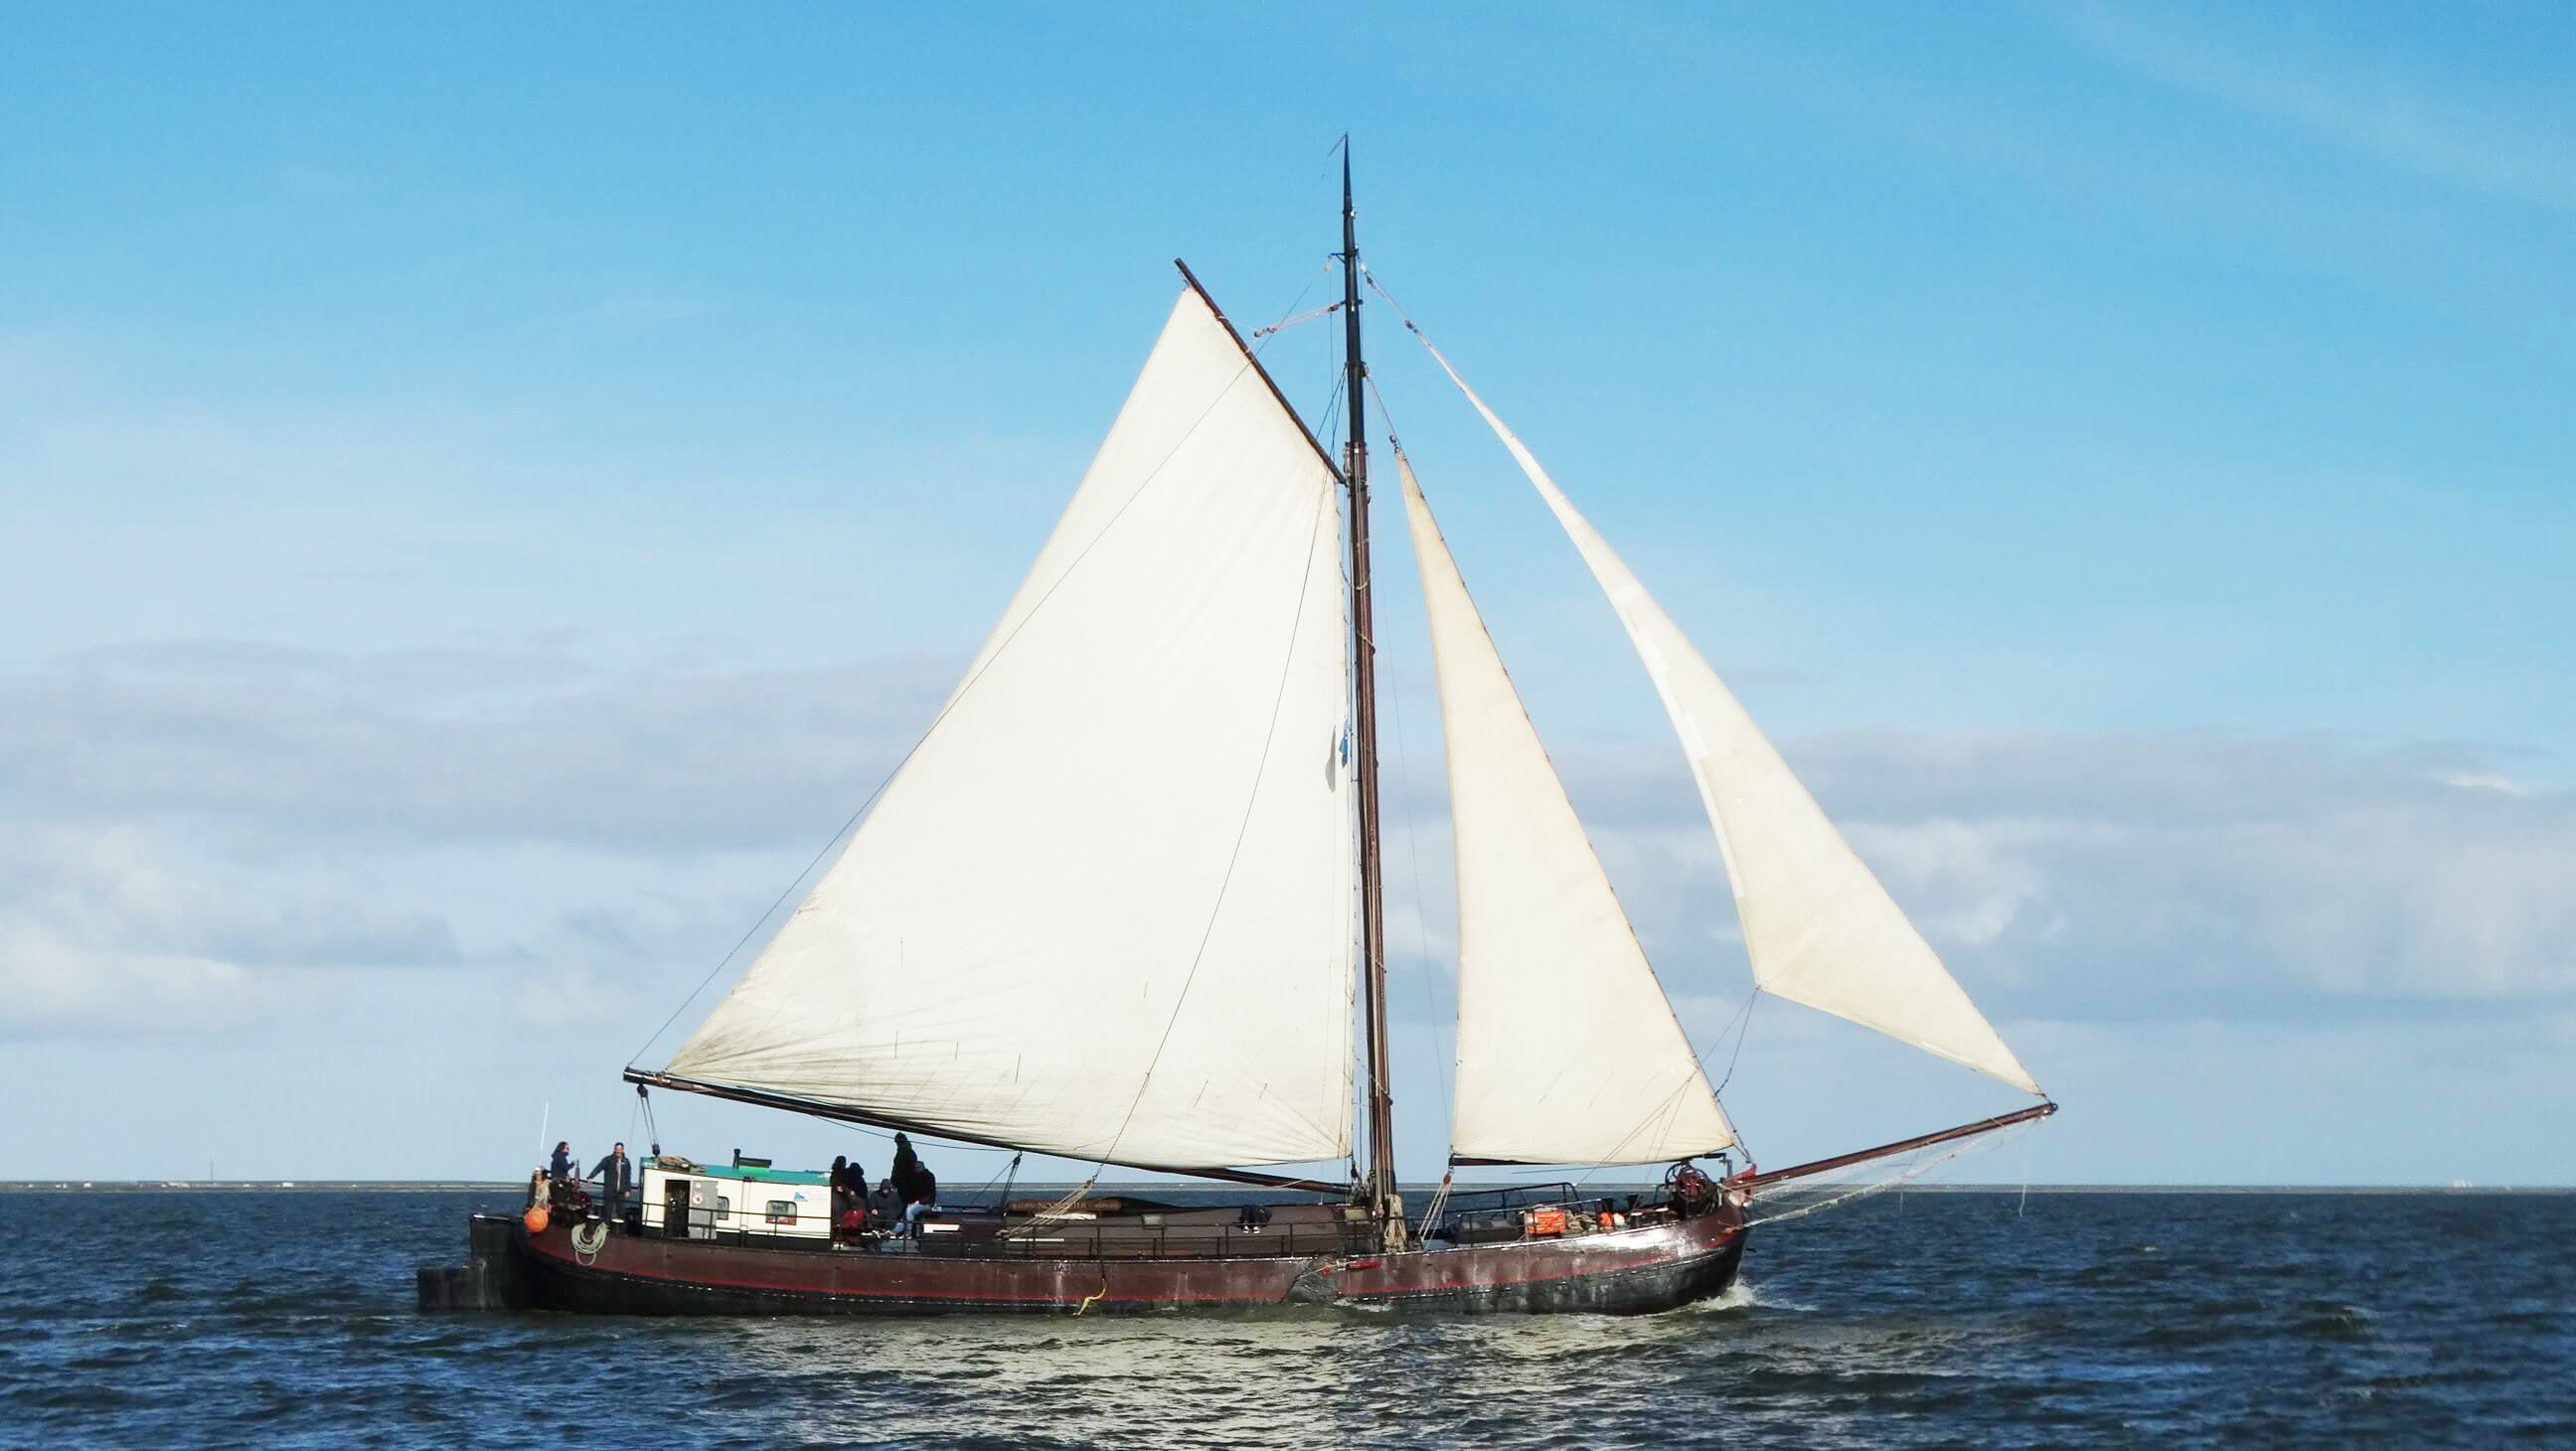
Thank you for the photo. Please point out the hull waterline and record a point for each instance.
(1629, 1271)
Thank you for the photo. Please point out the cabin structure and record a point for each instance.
(680, 1200)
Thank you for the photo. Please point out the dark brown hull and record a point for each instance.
(1629, 1271)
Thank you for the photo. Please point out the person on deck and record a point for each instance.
(616, 1176)
(928, 1186)
(906, 1173)
(559, 1168)
(849, 1197)
(914, 1187)
(883, 1208)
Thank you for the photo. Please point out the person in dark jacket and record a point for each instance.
(559, 1168)
(849, 1196)
(906, 1173)
(928, 1188)
(616, 1176)
(914, 1187)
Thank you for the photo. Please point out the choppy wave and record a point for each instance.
(2095, 1319)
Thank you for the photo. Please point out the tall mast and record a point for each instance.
(1381, 1098)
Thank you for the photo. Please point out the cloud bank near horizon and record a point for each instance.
(209, 830)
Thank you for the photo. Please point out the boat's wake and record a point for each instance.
(1735, 1300)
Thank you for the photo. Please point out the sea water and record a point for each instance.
(195, 1318)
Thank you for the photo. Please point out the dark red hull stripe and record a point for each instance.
(913, 1278)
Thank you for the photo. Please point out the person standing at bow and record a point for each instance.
(616, 1176)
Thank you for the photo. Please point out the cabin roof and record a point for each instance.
(752, 1175)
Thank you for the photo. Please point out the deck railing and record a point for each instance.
(1473, 1216)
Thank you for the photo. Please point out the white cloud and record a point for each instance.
(202, 821)
(2117, 876)
(2484, 781)
(206, 831)
(53, 985)
(411, 747)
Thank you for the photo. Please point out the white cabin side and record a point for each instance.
(714, 1199)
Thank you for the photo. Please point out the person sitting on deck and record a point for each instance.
(927, 1184)
(616, 1176)
(849, 1198)
(883, 1208)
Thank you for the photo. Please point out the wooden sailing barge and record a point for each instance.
(1105, 910)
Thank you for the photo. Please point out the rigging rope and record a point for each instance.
(1286, 323)
(1262, 336)
(1058, 1208)
(931, 1139)
(772, 909)
(1439, 1201)
(2029, 1154)
(1743, 1015)
(1899, 1179)
(1012, 1169)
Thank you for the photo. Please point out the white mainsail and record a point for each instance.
(1568, 1052)
(1103, 910)
(1818, 926)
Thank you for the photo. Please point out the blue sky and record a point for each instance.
(482, 496)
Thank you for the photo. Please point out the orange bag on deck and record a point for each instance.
(1550, 1220)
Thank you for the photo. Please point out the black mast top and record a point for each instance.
(1381, 1098)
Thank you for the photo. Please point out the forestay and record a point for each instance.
(1819, 927)
(1568, 1051)
(1103, 910)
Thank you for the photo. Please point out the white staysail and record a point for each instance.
(1103, 910)
(1819, 928)
(1568, 1052)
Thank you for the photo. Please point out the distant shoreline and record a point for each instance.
(460, 1186)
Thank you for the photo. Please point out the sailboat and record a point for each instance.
(1121, 901)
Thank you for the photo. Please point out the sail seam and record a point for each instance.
(1261, 772)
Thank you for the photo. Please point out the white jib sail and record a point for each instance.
(1568, 1052)
(1103, 910)
(1818, 926)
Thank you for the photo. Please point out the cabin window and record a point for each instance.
(782, 1211)
(724, 1209)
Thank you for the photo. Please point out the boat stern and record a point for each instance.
(488, 1280)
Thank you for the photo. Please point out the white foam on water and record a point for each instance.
(1739, 1296)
